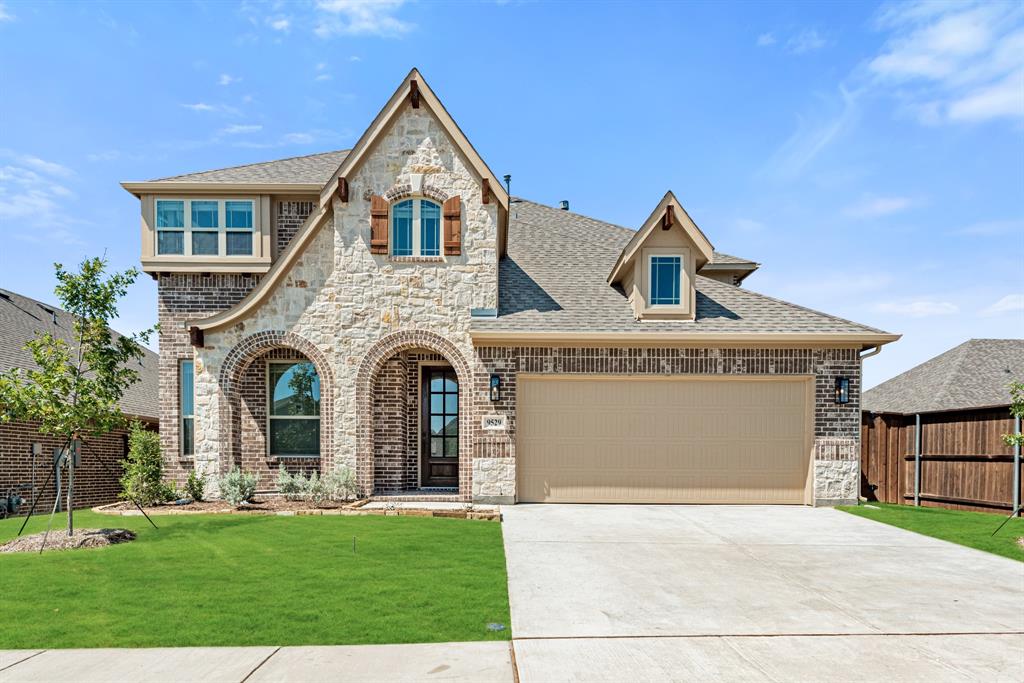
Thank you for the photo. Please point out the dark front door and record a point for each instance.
(440, 422)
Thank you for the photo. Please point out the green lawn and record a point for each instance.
(258, 580)
(973, 529)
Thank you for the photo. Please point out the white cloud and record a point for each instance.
(812, 137)
(765, 39)
(227, 79)
(806, 41)
(1011, 303)
(953, 61)
(283, 24)
(298, 138)
(211, 108)
(360, 17)
(323, 77)
(875, 207)
(5, 15)
(918, 309)
(240, 129)
(31, 197)
(355, 58)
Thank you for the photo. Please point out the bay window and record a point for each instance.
(204, 227)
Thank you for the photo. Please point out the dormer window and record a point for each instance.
(416, 228)
(204, 227)
(666, 279)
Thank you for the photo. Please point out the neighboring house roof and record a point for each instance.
(975, 374)
(310, 169)
(554, 280)
(22, 318)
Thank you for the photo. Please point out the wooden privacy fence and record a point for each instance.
(965, 465)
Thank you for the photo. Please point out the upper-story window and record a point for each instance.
(204, 227)
(416, 228)
(666, 277)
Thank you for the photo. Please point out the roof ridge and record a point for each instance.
(254, 163)
(796, 306)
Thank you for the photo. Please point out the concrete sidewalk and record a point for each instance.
(450, 662)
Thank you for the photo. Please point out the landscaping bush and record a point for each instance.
(195, 486)
(342, 484)
(291, 486)
(317, 490)
(143, 468)
(238, 487)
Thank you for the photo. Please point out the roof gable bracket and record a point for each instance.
(669, 219)
(343, 190)
(414, 94)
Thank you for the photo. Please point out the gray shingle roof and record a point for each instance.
(314, 168)
(972, 375)
(554, 279)
(20, 320)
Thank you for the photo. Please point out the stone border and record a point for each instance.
(352, 510)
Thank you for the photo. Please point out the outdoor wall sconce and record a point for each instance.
(495, 392)
(842, 389)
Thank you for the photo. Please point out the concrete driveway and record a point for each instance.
(601, 592)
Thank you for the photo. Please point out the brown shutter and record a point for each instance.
(453, 227)
(378, 225)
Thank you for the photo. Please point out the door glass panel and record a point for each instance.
(451, 448)
(436, 448)
(436, 422)
(436, 383)
(436, 404)
(451, 404)
(451, 425)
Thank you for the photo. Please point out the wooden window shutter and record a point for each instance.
(453, 226)
(378, 225)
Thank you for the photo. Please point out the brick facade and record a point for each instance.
(289, 218)
(94, 483)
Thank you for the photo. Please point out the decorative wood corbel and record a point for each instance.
(669, 219)
(414, 94)
(195, 336)
(486, 191)
(343, 190)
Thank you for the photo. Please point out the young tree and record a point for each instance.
(76, 390)
(1017, 409)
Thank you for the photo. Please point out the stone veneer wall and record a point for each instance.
(357, 309)
(836, 427)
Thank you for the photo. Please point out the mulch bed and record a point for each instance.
(59, 540)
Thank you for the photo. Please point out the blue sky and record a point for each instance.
(870, 156)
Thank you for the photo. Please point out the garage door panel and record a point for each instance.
(644, 440)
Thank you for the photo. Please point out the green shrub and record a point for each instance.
(291, 486)
(237, 487)
(195, 486)
(341, 483)
(317, 491)
(143, 468)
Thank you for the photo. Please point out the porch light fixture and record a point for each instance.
(495, 392)
(842, 389)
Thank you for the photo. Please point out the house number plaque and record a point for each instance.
(495, 423)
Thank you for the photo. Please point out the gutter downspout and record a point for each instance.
(917, 460)
(873, 352)
(1016, 469)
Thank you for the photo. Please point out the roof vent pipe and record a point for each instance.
(564, 205)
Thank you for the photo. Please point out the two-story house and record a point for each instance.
(391, 309)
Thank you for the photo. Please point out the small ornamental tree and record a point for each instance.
(75, 391)
(1017, 409)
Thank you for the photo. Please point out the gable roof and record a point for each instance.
(974, 374)
(380, 125)
(21, 318)
(686, 224)
(553, 284)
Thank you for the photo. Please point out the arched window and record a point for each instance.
(416, 228)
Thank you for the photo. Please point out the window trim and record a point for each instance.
(182, 417)
(268, 417)
(416, 228)
(221, 230)
(666, 311)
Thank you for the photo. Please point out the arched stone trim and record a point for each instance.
(400, 192)
(384, 349)
(238, 359)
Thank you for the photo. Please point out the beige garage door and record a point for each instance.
(664, 440)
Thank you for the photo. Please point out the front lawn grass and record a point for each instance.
(258, 580)
(973, 529)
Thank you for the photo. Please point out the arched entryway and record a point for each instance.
(414, 404)
(278, 396)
